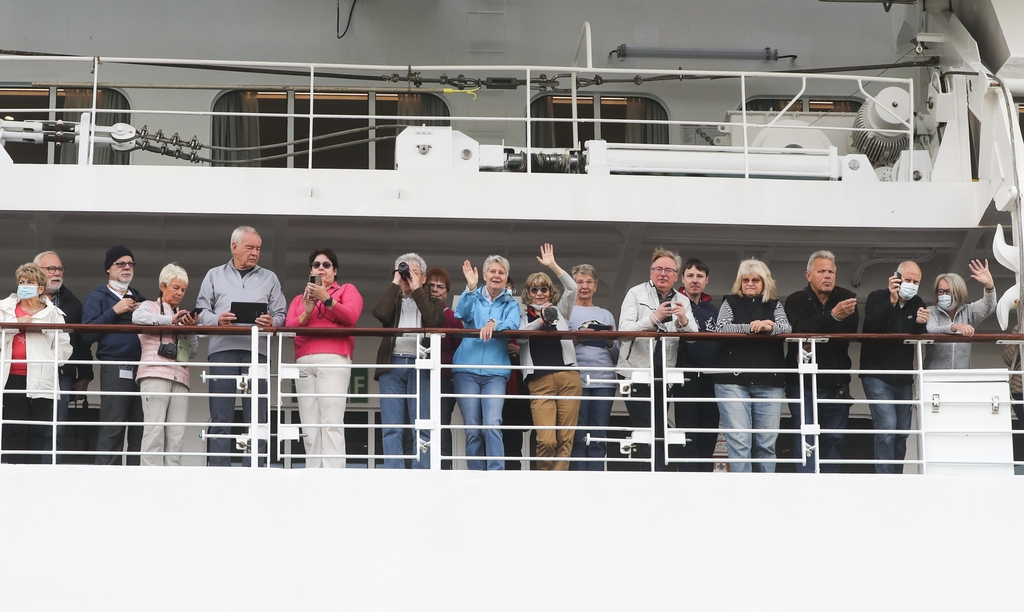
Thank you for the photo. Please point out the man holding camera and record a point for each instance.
(113, 304)
(240, 280)
(405, 304)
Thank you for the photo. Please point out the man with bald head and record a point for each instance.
(894, 310)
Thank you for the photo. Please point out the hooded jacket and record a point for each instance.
(474, 310)
(38, 345)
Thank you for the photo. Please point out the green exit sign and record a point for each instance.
(359, 383)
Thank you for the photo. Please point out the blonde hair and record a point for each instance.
(663, 252)
(757, 267)
(539, 279)
(32, 272)
(957, 287)
(173, 271)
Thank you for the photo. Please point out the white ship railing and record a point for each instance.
(280, 397)
(563, 80)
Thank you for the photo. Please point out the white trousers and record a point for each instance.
(324, 409)
(163, 408)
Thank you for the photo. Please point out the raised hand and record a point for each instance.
(981, 273)
(472, 275)
(547, 257)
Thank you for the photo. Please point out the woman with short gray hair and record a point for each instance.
(163, 374)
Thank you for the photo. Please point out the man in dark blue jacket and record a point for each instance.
(113, 304)
(822, 307)
(693, 417)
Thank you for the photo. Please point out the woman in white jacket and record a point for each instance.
(652, 306)
(544, 310)
(28, 387)
(953, 315)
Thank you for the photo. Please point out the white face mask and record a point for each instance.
(118, 286)
(907, 291)
(946, 302)
(27, 292)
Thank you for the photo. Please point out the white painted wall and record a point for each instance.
(93, 538)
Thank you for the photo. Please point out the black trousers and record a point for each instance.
(19, 407)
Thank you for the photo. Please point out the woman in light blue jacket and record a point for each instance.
(488, 308)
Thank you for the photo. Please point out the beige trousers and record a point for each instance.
(163, 408)
(550, 412)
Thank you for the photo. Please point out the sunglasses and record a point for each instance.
(326, 265)
(539, 290)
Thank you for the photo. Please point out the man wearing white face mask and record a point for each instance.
(113, 304)
(895, 310)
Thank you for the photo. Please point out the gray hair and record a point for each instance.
(412, 258)
(586, 270)
(241, 231)
(820, 255)
(496, 258)
(40, 256)
(171, 272)
(957, 287)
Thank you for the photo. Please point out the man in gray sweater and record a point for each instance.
(239, 280)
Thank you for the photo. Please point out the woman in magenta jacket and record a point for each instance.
(324, 361)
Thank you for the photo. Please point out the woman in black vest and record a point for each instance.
(751, 308)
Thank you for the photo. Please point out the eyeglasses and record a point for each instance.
(54, 269)
(125, 264)
(433, 286)
(945, 292)
(326, 265)
(660, 270)
(539, 290)
(751, 281)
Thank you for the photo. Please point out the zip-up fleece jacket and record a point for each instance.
(474, 311)
(955, 355)
(564, 307)
(38, 345)
(635, 315)
(807, 314)
(161, 313)
(99, 309)
(881, 317)
(225, 284)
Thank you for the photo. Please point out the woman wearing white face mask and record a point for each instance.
(953, 315)
(28, 387)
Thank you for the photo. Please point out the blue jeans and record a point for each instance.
(222, 409)
(750, 415)
(403, 410)
(595, 413)
(892, 447)
(482, 411)
(830, 416)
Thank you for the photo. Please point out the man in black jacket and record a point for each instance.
(821, 307)
(72, 375)
(895, 310)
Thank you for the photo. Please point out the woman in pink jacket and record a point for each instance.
(164, 369)
(325, 361)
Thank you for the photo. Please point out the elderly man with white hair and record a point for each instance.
(239, 280)
(406, 303)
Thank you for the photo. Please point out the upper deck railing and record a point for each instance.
(479, 98)
(981, 395)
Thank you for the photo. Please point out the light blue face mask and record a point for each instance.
(907, 290)
(946, 302)
(26, 292)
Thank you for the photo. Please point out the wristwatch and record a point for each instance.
(329, 302)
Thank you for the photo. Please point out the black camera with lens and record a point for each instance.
(403, 270)
(550, 315)
(168, 350)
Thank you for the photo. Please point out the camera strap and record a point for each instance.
(160, 304)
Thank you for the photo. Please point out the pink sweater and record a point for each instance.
(348, 305)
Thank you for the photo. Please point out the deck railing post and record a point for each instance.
(435, 401)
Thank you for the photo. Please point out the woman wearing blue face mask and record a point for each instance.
(953, 315)
(28, 366)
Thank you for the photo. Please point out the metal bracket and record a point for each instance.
(935, 402)
(995, 404)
